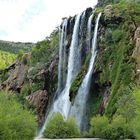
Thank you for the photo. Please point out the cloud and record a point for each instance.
(33, 20)
(3, 33)
(35, 9)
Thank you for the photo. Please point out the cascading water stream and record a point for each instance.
(62, 103)
(62, 56)
(89, 31)
(77, 110)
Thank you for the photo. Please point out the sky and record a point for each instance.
(33, 20)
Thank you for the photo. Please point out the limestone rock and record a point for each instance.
(137, 33)
(108, 11)
(136, 52)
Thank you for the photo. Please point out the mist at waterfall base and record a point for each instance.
(62, 103)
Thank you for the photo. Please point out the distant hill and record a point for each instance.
(15, 47)
(10, 50)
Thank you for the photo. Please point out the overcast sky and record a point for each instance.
(33, 20)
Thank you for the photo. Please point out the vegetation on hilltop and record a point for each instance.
(15, 47)
(10, 50)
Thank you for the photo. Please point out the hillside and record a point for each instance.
(88, 70)
(15, 47)
(10, 50)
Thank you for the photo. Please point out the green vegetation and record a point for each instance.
(117, 129)
(9, 51)
(16, 123)
(99, 126)
(117, 60)
(6, 59)
(58, 128)
(124, 124)
(136, 126)
(13, 47)
(106, 2)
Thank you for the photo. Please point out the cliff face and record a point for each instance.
(34, 76)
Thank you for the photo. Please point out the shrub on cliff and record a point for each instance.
(58, 128)
(16, 123)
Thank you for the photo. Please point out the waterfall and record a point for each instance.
(62, 56)
(77, 110)
(62, 103)
(89, 31)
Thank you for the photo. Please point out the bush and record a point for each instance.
(99, 126)
(16, 123)
(117, 129)
(120, 129)
(117, 35)
(58, 128)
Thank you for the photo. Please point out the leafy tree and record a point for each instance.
(16, 123)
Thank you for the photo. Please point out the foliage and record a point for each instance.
(126, 104)
(117, 62)
(99, 126)
(6, 59)
(46, 49)
(117, 129)
(105, 2)
(76, 83)
(14, 48)
(117, 35)
(9, 51)
(136, 122)
(58, 128)
(16, 123)
(120, 129)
